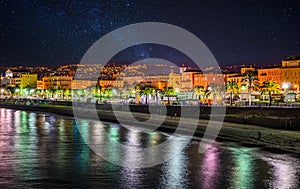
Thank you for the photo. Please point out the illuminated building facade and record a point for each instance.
(57, 82)
(174, 80)
(28, 81)
(269, 74)
(291, 72)
(82, 84)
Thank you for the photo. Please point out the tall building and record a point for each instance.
(291, 72)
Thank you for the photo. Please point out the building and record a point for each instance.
(269, 74)
(247, 69)
(28, 81)
(15, 81)
(4, 81)
(290, 72)
(187, 80)
(57, 82)
(291, 61)
(174, 80)
(154, 81)
(9, 73)
(200, 80)
(209, 79)
(131, 81)
(109, 83)
(15, 73)
(39, 84)
(235, 77)
(291, 77)
(82, 84)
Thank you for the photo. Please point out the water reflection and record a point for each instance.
(284, 170)
(211, 167)
(243, 172)
(175, 170)
(6, 152)
(39, 150)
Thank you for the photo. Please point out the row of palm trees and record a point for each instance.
(250, 82)
(150, 90)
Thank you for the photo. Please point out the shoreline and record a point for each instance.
(274, 140)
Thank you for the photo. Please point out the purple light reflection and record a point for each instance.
(210, 167)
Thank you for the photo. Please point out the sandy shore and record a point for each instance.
(250, 135)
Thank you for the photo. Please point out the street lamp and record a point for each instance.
(296, 87)
(285, 86)
(243, 87)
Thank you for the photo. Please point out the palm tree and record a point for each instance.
(169, 91)
(146, 91)
(67, 93)
(250, 77)
(270, 87)
(232, 87)
(156, 92)
(11, 90)
(108, 92)
(200, 91)
(98, 88)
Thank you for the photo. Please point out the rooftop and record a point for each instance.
(292, 57)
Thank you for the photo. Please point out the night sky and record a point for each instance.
(58, 32)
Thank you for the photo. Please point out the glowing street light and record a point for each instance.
(285, 86)
(296, 87)
(243, 87)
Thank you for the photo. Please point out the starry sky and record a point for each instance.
(58, 32)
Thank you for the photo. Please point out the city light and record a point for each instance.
(151, 94)
(243, 87)
(285, 86)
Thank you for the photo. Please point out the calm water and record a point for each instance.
(46, 151)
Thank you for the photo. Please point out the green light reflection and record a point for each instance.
(242, 172)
